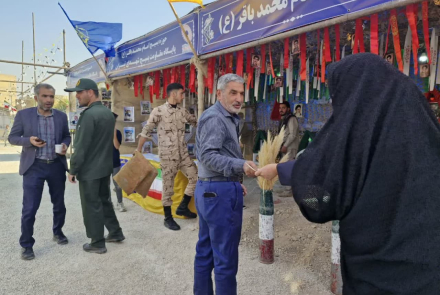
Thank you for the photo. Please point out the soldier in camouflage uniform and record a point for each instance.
(170, 120)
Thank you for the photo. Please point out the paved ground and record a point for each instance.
(152, 260)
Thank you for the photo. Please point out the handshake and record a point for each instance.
(250, 168)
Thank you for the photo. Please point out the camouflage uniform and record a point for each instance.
(173, 151)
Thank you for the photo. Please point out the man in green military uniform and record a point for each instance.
(92, 165)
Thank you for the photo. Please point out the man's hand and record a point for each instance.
(136, 150)
(72, 178)
(250, 168)
(268, 172)
(34, 142)
(284, 149)
(244, 190)
(64, 149)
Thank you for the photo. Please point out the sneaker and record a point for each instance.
(27, 253)
(110, 239)
(121, 207)
(91, 249)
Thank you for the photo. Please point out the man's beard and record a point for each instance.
(233, 110)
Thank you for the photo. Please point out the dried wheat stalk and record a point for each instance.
(268, 155)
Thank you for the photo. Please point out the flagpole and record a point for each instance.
(183, 30)
(103, 71)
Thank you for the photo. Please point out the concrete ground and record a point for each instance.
(152, 259)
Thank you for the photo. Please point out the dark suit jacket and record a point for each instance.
(26, 125)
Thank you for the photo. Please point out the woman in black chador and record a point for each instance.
(375, 166)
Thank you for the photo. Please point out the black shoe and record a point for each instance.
(88, 248)
(183, 209)
(27, 253)
(60, 239)
(171, 224)
(114, 239)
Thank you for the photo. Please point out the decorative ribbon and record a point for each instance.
(328, 55)
(374, 42)
(338, 42)
(263, 58)
(303, 48)
(211, 73)
(318, 33)
(395, 30)
(271, 63)
(426, 28)
(157, 84)
(359, 37)
(239, 70)
(151, 87)
(286, 53)
(182, 75)
(411, 14)
(192, 78)
(249, 68)
(136, 86)
(388, 37)
(227, 63)
(166, 81)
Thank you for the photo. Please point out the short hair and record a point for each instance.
(225, 79)
(43, 85)
(96, 92)
(298, 107)
(286, 103)
(174, 86)
(257, 57)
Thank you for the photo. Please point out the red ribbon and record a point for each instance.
(359, 37)
(323, 69)
(211, 71)
(271, 63)
(411, 14)
(182, 75)
(249, 68)
(328, 55)
(151, 88)
(192, 78)
(141, 85)
(136, 86)
(173, 75)
(388, 37)
(239, 70)
(263, 58)
(303, 48)
(230, 64)
(374, 43)
(227, 63)
(166, 79)
(286, 53)
(426, 28)
(338, 42)
(157, 83)
(395, 30)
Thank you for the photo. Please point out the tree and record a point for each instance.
(61, 103)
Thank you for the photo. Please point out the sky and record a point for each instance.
(138, 17)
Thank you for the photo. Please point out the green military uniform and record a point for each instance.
(92, 163)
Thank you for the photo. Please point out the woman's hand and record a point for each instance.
(268, 172)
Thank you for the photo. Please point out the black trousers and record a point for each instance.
(98, 210)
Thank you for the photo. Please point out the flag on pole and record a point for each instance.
(96, 35)
(200, 2)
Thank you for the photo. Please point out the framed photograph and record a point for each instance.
(268, 69)
(145, 107)
(191, 149)
(298, 110)
(295, 47)
(128, 114)
(149, 81)
(256, 61)
(278, 82)
(73, 119)
(107, 104)
(424, 70)
(147, 148)
(129, 134)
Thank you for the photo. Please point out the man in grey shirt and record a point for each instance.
(219, 194)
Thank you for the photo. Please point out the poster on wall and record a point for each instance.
(147, 148)
(298, 110)
(145, 107)
(107, 104)
(128, 114)
(129, 134)
(74, 118)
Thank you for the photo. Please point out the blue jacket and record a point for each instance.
(26, 125)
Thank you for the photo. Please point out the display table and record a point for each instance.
(153, 202)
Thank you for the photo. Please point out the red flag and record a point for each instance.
(166, 77)
(239, 70)
(286, 53)
(211, 72)
(374, 43)
(157, 84)
(182, 75)
(303, 48)
(426, 28)
(192, 78)
(328, 56)
(411, 14)
(359, 37)
(338, 42)
(263, 58)
(395, 30)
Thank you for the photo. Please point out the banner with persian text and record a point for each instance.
(228, 23)
(87, 69)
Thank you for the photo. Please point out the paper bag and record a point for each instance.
(136, 175)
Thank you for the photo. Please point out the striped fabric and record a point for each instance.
(46, 131)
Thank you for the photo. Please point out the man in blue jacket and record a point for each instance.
(38, 130)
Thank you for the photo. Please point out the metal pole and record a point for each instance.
(33, 32)
(64, 47)
(32, 64)
(22, 67)
(17, 82)
(314, 27)
(105, 74)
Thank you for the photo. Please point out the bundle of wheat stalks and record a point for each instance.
(268, 155)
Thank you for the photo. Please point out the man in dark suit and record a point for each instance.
(92, 165)
(38, 130)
